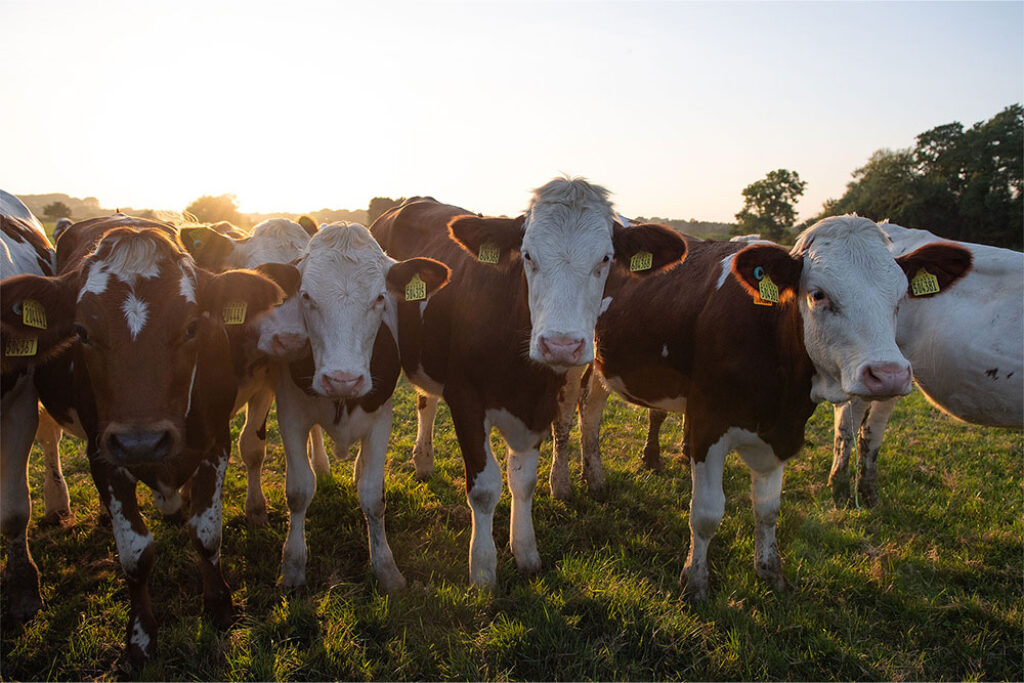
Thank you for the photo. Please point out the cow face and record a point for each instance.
(848, 287)
(139, 311)
(567, 240)
(348, 289)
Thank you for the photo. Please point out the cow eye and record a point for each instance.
(191, 330)
(818, 298)
(82, 334)
(606, 258)
(526, 256)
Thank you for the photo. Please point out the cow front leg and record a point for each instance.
(652, 448)
(765, 494)
(591, 407)
(522, 480)
(423, 451)
(252, 444)
(55, 488)
(707, 507)
(205, 527)
(21, 576)
(847, 418)
(300, 485)
(869, 442)
(370, 465)
(568, 397)
(318, 452)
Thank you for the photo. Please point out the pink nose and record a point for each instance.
(341, 383)
(561, 349)
(283, 344)
(887, 379)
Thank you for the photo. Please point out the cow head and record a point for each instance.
(275, 241)
(567, 242)
(140, 312)
(848, 287)
(349, 286)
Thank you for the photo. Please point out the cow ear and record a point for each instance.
(403, 283)
(490, 240)
(37, 318)
(756, 262)
(238, 296)
(208, 247)
(934, 267)
(647, 248)
(308, 224)
(287, 276)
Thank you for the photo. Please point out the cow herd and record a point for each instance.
(145, 339)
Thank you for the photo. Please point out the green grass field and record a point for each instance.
(928, 585)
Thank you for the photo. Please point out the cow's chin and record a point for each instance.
(824, 388)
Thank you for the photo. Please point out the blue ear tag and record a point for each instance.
(758, 273)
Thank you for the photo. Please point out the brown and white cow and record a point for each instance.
(747, 372)
(141, 355)
(520, 309)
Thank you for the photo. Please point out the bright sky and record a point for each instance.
(296, 105)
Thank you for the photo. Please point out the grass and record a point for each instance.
(928, 585)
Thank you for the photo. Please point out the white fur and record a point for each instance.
(130, 543)
(136, 312)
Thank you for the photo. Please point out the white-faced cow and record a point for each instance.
(348, 295)
(746, 339)
(495, 343)
(143, 339)
(967, 351)
(278, 335)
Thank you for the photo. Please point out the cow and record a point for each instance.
(344, 382)
(966, 349)
(520, 310)
(746, 339)
(26, 250)
(280, 335)
(137, 343)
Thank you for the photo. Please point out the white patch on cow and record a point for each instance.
(95, 281)
(207, 524)
(605, 303)
(675, 404)
(139, 637)
(276, 240)
(187, 286)
(136, 312)
(130, 543)
(726, 270)
(483, 498)
(664, 351)
(131, 257)
(191, 384)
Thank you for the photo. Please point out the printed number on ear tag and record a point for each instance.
(489, 253)
(234, 312)
(768, 291)
(416, 290)
(33, 314)
(924, 283)
(641, 260)
(21, 347)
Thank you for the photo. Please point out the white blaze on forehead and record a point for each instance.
(136, 312)
(277, 240)
(131, 256)
(187, 285)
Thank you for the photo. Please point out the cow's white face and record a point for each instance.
(343, 300)
(850, 290)
(567, 254)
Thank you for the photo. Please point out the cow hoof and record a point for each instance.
(772, 573)
(176, 518)
(292, 578)
(868, 496)
(652, 461)
(21, 579)
(391, 580)
(561, 490)
(695, 586)
(23, 606)
(220, 611)
(257, 518)
(530, 563)
(57, 518)
(424, 473)
(841, 495)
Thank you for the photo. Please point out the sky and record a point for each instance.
(295, 106)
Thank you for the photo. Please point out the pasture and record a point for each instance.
(927, 585)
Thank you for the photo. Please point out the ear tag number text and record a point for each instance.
(489, 253)
(33, 314)
(924, 283)
(21, 347)
(234, 312)
(768, 291)
(416, 290)
(641, 260)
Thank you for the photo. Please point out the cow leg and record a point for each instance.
(591, 407)
(707, 507)
(18, 419)
(870, 440)
(765, 494)
(848, 417)
(55, 488)
(300, 485)
(423, 451)
(369, 468)
(523, 451)
(318, 453)
(652, 449)
(205, 526)
(136, 551)
(252, 444)
(568, 397)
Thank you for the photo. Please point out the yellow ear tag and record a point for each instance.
(767, 289)
(33, 314)
(924, 283)
(21, 347)
(489, 253)
(234, 312)
(416, 290)
(641, 260)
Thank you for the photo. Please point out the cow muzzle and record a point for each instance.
(139, 445)
(562, 350)
(342, 385)
(885, 380)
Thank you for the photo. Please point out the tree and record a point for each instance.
(768, 205)
(378, 205)
(57, 210)
(208, 209)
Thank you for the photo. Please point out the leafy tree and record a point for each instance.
(768, 205)
(208, 209)
(57, 210)
(378, 205)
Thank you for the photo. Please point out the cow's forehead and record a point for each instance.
(135, 257)
(277, 240)
(344, 257)
(569, 216)
(849, 251)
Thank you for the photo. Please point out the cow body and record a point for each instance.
(748, 376)
(496, 342)
(137, 354)
(967, 351)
